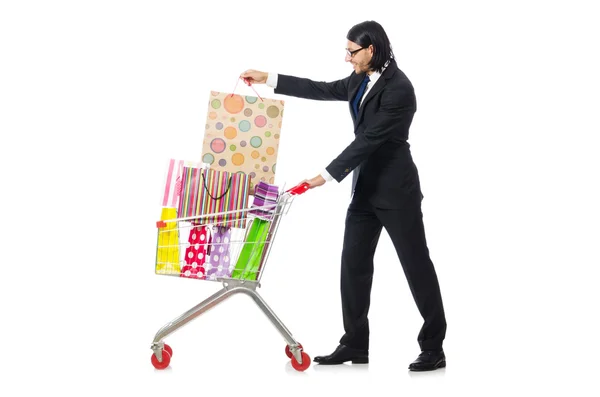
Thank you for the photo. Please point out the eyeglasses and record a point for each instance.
(351, 53)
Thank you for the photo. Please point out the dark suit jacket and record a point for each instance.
(384, 172)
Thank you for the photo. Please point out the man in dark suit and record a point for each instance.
(386, 190)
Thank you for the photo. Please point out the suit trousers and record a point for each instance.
(364, 223)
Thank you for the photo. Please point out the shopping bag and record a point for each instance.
(265, 200)
(205, 191)
(192, 196)
(242, 135)
(226, 192)
(248, 262)
(167, 251)
(172, 185)
(219, 258)
(196, 252)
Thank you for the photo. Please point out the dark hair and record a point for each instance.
(370, 32)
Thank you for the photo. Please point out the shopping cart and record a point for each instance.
(234, 256)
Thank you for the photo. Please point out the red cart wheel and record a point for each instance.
(288, 352)
(166, 360)
(305, 362)
(168, 349)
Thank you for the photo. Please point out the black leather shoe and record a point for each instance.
(429, 360)
(342, 354)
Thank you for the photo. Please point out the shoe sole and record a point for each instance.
(438, 366)
(354, 361)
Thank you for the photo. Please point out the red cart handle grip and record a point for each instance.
(299, 189)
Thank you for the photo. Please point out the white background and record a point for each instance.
(96, 96)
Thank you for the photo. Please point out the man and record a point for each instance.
(386, 189)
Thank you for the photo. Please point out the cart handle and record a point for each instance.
(299, 189)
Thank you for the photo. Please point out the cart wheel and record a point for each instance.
(168, 349)
(288, 352)
(305, 362)
(166, 360)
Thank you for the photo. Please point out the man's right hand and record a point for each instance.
(254, 77)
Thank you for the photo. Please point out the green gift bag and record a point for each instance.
(248, 262)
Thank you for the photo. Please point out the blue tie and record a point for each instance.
(359, 94)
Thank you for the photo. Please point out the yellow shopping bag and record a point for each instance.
(167, 248)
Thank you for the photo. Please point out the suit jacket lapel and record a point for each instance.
(352, 94)
(374, 90)
(387, 74)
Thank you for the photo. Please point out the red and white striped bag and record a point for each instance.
(172, 186)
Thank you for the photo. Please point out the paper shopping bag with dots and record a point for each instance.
(196, 252)
(242, 135)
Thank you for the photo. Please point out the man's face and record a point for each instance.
(358, 56)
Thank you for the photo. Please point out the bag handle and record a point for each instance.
(248, 83)
(210, 195)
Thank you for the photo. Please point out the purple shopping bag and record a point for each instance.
(219, 257)
(265, 196)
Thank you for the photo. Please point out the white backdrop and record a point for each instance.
(96, 96)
